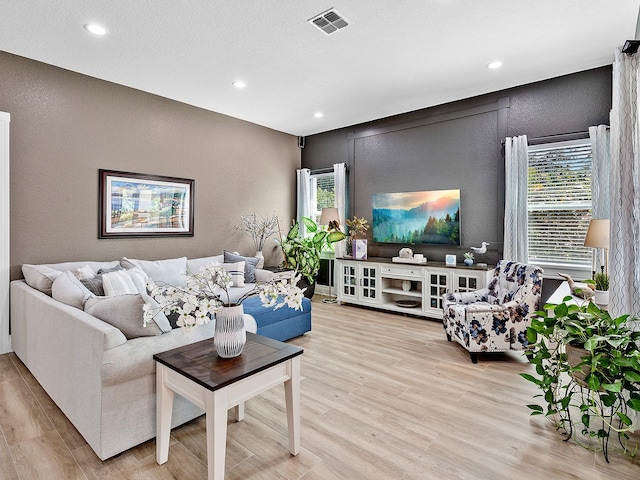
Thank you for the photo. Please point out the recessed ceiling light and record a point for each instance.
(496, 64)
(239, 84)
(318, 114)
(95, 29)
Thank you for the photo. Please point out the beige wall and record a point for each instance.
(65, 126)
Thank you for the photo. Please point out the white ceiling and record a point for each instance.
(395, 56)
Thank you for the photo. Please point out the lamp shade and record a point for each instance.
(598, 234)
(329, 216)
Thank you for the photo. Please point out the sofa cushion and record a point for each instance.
(250, 264)
(40, 277)
(195, 264)
(169, 271)
(67, 289)
(236, 270)
(125, 312)
(125, 282)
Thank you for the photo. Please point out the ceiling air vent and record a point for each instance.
(329, 21)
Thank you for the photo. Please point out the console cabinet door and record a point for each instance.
(369, 282)
(438, 284)
(347, 281)
(467, 281)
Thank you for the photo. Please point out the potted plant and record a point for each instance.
(206, 293)
(588, 370)
(358, 227)
(259, 229)
(302, 253)
(601, 284)
(468, 259)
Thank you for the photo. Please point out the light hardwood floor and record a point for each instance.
(383, 397)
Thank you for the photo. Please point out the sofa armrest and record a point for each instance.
(50, 337)
(263, 276)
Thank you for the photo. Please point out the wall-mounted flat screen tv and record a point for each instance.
(428, 218)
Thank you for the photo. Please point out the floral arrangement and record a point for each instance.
(357, 227)
(468, 255)
(208, 291)
(259, 228)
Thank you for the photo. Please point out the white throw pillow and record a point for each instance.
(124, 282)
(171, 271)
(194, 264)
(236, 270)
(69, 290)
(84, 273)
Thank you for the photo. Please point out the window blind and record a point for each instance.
(322, 193)
(559, 203)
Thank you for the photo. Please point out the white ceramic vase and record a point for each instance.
(229, 334)
(261, 257)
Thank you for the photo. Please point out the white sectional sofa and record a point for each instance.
(102, 381)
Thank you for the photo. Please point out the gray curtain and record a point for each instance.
(624, 257)
(516, 158)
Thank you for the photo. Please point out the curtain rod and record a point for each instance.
(319, 171)
(558, 137)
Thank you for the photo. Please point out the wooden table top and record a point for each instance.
(200, 362)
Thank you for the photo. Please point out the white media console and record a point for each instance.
(413, 289)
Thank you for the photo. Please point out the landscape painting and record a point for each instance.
(134, 205)
(429, 217)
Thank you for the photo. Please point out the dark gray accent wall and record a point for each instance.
(65, 126)
(457, 145)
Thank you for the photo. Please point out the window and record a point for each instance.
(559, 203)
(322, 193)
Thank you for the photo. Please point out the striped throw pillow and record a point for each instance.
(236, 270)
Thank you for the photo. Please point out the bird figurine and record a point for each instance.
(480, 250)
(585, 293)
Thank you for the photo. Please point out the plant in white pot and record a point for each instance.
(302, 253)
(600, 283)
(206, 294)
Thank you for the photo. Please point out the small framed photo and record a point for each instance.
(450, 260)
(360, 249)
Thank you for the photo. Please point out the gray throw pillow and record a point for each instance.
(69, 290)
(125, 312)
(250, 264)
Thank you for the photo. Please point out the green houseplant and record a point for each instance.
(302, 253)
(587, 366)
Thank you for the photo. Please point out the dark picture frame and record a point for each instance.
(141, 205)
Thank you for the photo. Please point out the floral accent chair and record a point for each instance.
(494, 319)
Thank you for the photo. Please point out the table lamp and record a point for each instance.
(598, 237)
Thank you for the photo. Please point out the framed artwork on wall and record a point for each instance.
(141, 205)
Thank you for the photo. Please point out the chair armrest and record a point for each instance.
(486, 308)
(467, 297)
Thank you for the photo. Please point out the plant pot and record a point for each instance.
(468, 262)
(602, 297)
(310, 287)
(229, 334)
(574, 357)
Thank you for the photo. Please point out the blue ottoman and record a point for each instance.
(281, 324)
